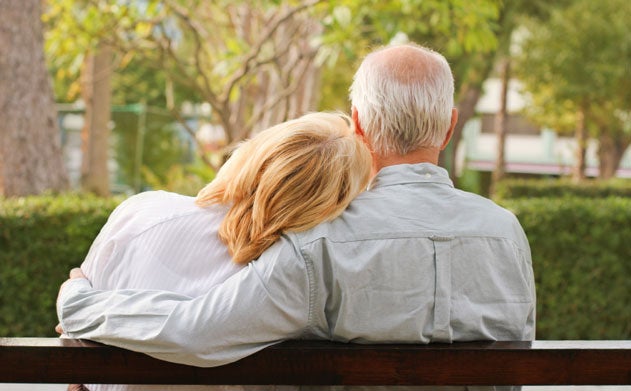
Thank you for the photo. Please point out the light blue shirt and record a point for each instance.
(411, 260)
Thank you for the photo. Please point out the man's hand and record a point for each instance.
(77, 387)
(74, 273)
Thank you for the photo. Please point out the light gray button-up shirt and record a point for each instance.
(411, 260)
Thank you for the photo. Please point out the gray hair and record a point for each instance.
(403, 95)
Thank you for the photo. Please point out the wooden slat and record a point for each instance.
(51, 360)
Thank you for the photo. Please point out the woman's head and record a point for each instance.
(289, 177)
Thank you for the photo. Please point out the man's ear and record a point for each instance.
(452, 126)
(355, 118)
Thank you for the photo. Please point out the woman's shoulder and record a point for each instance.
(156, 196)
(158, 201)
(144, 210)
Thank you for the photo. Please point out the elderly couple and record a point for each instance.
(323, 227)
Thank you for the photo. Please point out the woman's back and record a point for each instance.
(160, 240)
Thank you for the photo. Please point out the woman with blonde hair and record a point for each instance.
(289, 177)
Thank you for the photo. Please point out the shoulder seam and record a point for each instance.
(308, 262)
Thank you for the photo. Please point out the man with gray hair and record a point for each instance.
(412, 259)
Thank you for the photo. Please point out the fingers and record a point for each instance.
(77, 387)
(76, 273)
(58, 329)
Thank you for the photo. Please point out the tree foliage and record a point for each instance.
(458, 29)
(258, 65)
(580, 62)
(252, 64)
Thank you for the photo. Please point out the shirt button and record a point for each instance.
(428, 175)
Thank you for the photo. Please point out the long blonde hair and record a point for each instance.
(289, 177)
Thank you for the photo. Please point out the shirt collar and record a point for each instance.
(410, 173)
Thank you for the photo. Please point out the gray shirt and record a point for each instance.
(412, 260)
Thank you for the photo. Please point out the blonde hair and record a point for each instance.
(289, 177)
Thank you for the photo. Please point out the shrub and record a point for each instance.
(580, 249)
(41, 239)
(582, 261)
(518, 188)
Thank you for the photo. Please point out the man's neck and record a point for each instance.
(421, 155)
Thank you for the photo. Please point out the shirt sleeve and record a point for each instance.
(525, 258)
(263, 304)
(103, 246)
(531, 321)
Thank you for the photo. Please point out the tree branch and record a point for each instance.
(200, 147)
(255, 50)
(289, 89)
(197, 35)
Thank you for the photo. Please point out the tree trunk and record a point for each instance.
(578, 173)
(610, 153)
(469, 93)
(31, 159)
(466, 110)
(500, 125)
(96, 92)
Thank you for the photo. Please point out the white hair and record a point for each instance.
(403, 95)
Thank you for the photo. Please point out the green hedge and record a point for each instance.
(518, 188)
(41, 239)
(581, 251)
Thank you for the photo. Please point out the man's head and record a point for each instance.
(402, 99)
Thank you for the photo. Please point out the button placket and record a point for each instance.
(442, 295)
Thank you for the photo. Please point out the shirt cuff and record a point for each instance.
(69, 289)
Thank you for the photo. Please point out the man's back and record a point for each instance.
(415, 260)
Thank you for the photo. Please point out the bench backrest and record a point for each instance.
(52, 360)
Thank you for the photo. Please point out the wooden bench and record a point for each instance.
(52, 360)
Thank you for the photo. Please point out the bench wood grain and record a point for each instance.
(52, 360)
